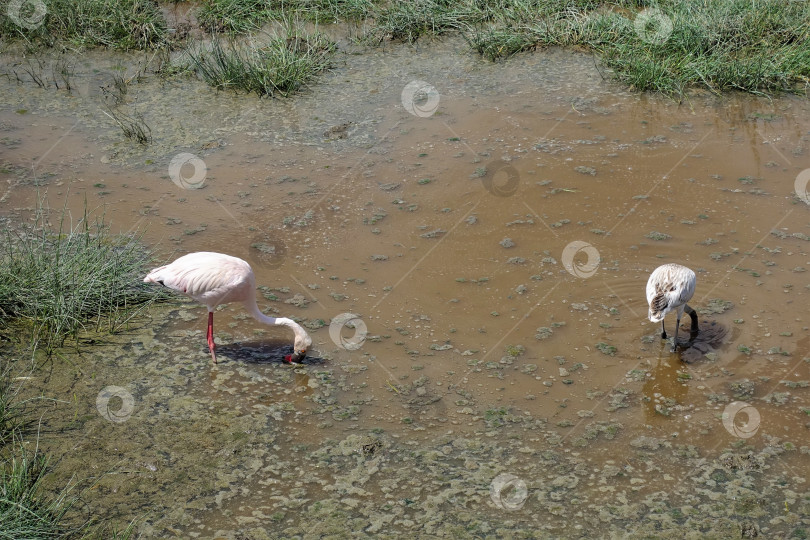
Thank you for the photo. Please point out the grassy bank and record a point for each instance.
(59, 282)
(718, 44)
(721, 44)
(119, 24)
(666, 47)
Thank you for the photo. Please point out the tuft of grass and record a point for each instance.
(281, 65)
(13, 420)
(326, 11)
(520, 25)
(605, 348)
(35, 69)
(243, 16)
(408, 21)
(718, 44)
(722, 45)
(667, 46)
(26, 509)
(60, 283)
(133, 126)
(30, 507)
(234, 16)
(119, 24)
(495, 43)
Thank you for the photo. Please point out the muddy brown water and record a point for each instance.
(444, 224)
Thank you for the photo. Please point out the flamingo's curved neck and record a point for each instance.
(254, 310)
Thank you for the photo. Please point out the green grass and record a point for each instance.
(234, 16)
(27, 509)
(59, 283)
(31, 509)
(324, 11)
(13, 419)
(30, 506)
(495, 43)
(55, 283)
(280, 64)
(118, 24)
(721, 45)
(757, 47)
(408, 21)
(241, 16)
(717, 44)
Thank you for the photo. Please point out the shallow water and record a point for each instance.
(445, 231)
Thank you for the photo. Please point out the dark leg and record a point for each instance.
(675, 341)
(663, 330)
(210, 335)
(693, 314)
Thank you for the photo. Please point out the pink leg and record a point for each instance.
(210, 335)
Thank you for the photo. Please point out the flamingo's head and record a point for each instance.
(655, 316)
(300, 347)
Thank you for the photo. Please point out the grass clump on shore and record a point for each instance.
(526, 24)
(717, 44)
(280, 65)
(27, 510)
(720, 45)
(59, 284)
(54, 284)
(324, 11)
(243, 16)
(408, 21)
(665, 47)
(234, 16)
(119, 24)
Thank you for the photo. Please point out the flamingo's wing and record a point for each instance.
(669, 286)
(209, 278)
(658, 307)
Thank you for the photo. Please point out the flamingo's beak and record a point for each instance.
(296, 357)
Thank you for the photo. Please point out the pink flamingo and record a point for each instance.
(213, 279)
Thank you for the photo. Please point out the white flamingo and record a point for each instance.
(213, 279)
(669, 288)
